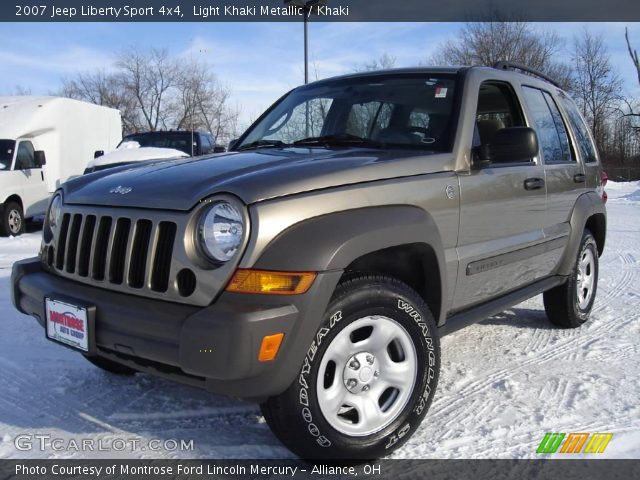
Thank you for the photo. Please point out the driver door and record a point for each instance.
(31, 179)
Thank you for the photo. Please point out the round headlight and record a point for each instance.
(221, 230)
(55, 211)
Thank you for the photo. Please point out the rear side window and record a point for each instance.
(549, 125)
(580, 130)
(552, 133)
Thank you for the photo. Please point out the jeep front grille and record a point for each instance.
(143, 252)
(130, 252)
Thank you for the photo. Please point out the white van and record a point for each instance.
(43, 142)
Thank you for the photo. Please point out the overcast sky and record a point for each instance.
(258, 61)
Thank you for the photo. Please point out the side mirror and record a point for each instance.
(232, 143)
(219, 149)
(39, 158)
(514, 144)
(98, 153)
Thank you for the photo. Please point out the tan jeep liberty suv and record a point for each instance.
(314, 266)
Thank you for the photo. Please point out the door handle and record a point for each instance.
(533, 183)
(42, 175)
(579, 178)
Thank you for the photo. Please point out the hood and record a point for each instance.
(252, 176)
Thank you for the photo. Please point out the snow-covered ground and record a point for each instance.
(504, 382)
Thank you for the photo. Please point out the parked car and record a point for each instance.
(159, 145)
(315, 268)
(131, 153)
(43, 142)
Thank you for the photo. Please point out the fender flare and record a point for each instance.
(333, 241)
(330, 243)
(587, 205)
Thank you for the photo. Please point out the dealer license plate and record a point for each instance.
(67, 324)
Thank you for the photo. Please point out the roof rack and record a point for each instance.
(503, 65)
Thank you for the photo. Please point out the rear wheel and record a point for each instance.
(12, 221)
(569, 305)
(111, 366)
(368, 377)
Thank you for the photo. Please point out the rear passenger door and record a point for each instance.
(501, 216)
(564, 175)
(583, 141)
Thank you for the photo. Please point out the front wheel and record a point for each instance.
(569, 305)
(368, 377)
(12, 221)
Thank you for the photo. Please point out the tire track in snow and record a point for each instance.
(574, 342)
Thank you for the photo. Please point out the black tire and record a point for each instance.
(110, 366)
(12, 222)
(296, 417)
(562, 303)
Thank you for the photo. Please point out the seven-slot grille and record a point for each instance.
(132, 252)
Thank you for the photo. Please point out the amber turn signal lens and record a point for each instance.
(270, 283)
(270, 346)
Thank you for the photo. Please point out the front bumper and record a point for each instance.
(215, 347)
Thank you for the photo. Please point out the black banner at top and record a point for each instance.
(324, 10)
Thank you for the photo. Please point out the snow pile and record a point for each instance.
(628, 192)
(504, 383)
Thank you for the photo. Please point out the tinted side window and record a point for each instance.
(498, 108)
(552, 134)
(580, 130)
(25, 157)
(567, 151)
(206, 145)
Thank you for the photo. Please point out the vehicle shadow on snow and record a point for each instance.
(529, 318)
(74, 400)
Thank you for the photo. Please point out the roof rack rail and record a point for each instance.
(504, 65)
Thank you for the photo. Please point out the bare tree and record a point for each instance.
(633, 53)
(155, 91)
(505, 39)
(106, 89)
(597, 88)
(148, 77)
(201, 102)
(383, 62)
(22, 91)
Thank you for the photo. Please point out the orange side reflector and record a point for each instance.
(270, 283)
(270, 346)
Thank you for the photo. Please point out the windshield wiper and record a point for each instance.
(339, 139)
(263, 143)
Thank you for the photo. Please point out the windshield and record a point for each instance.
(177, 141)
(411, 111)
(6, 153)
